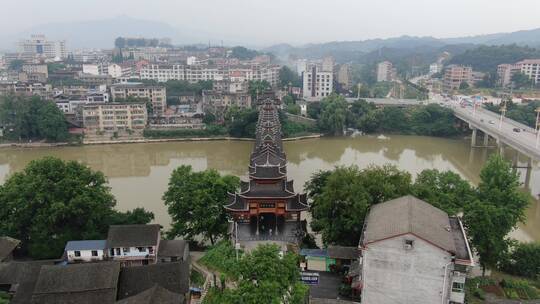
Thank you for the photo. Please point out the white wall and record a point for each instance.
(133, 252)
(86, 255)
(392, 274)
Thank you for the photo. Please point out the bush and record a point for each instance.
(222, 257)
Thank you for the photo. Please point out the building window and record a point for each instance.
(141, 249)
(112, 251)
(77, 253)
(126, 250)
(118, 251)
(408, 245)
(458, 287)
(94, 253)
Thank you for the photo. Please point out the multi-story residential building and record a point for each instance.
(505, 73)
(317, 83)
(120, 71)
(531, 68)
(95, 69)
(301, 66)
(385, 71)
(327, 64)
(455, 75)
(27, 89)
(112, 117)
(412, 252)
(133, 244)
(85, 251)
(217, 102)
(202, 72)
(344, 76)
(156, 95)
(40, 46)
(36, 69)
(435, 68)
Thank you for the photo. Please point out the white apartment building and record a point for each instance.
(36, 69)
(39, 45)
(85, 251)
(317, 84)
(157, 95)
(412, 252)
(120, 71)
(200, 72)
(112, 117)
(531, 68)
(435, 68)
(385, 71)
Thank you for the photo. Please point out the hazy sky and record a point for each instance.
(293, 21)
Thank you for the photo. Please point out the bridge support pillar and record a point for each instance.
(501, 147)
(515, 161)
(473, 137)
(528, 173)
(486, 140)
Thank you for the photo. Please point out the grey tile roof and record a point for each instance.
(23, 275)
(133, 235)
(77, 283)
(172, 248)
(409, 214)
(86, 245)
(154, 295)
(7, 245)
(172, 276)
(341, 252)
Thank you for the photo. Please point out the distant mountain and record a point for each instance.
(101, 33)
(351, 50)
(526, 37)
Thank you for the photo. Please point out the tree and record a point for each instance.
(195, 202)
(333, 115)
(342, 197)
(241, 122)
(464, 85)
(264, 276)
(444, 190)
(524, 260)
(498, 207)
(288, 77)
(433, 120)
(243, 53)
(32, 118)
(257, 87)
(51, 202)
(520, 80)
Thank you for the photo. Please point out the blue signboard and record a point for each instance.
(309, 278)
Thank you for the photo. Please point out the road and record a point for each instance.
(525, 141)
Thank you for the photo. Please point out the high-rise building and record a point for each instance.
(531, 68)
(317, 83)
(344, 76)
(40, 46)
(385, 71)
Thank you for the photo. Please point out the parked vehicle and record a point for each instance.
(491, 122)
(517, 130)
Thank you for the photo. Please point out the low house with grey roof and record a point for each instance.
(86, 251)
(412, 252)
(133, 245)
(154, 295)
(173, 250)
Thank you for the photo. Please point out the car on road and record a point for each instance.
(517, 130)
(481, 120)
(491, 122)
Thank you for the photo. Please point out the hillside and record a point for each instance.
(486, 58)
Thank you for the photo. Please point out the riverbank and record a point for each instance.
(181, 139)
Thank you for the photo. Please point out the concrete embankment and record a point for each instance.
(157, 140)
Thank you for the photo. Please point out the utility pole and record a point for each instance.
(537, 126)
(503, 112)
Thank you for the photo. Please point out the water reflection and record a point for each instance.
(139, 173)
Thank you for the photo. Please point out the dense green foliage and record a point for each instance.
(334, 115)
(524, 260)
(291, 128)
(496, 209)
(195, 202)
(30, 118)
(486, 58)
(263, 276)
(524, 114)
(243, 53)
(521, 80)
(256, 88)
(288, 77)
(241, 122)
(51, 202)
(342, 197)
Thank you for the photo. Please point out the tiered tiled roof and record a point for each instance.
(267, 162)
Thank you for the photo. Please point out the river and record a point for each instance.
(138, 173)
